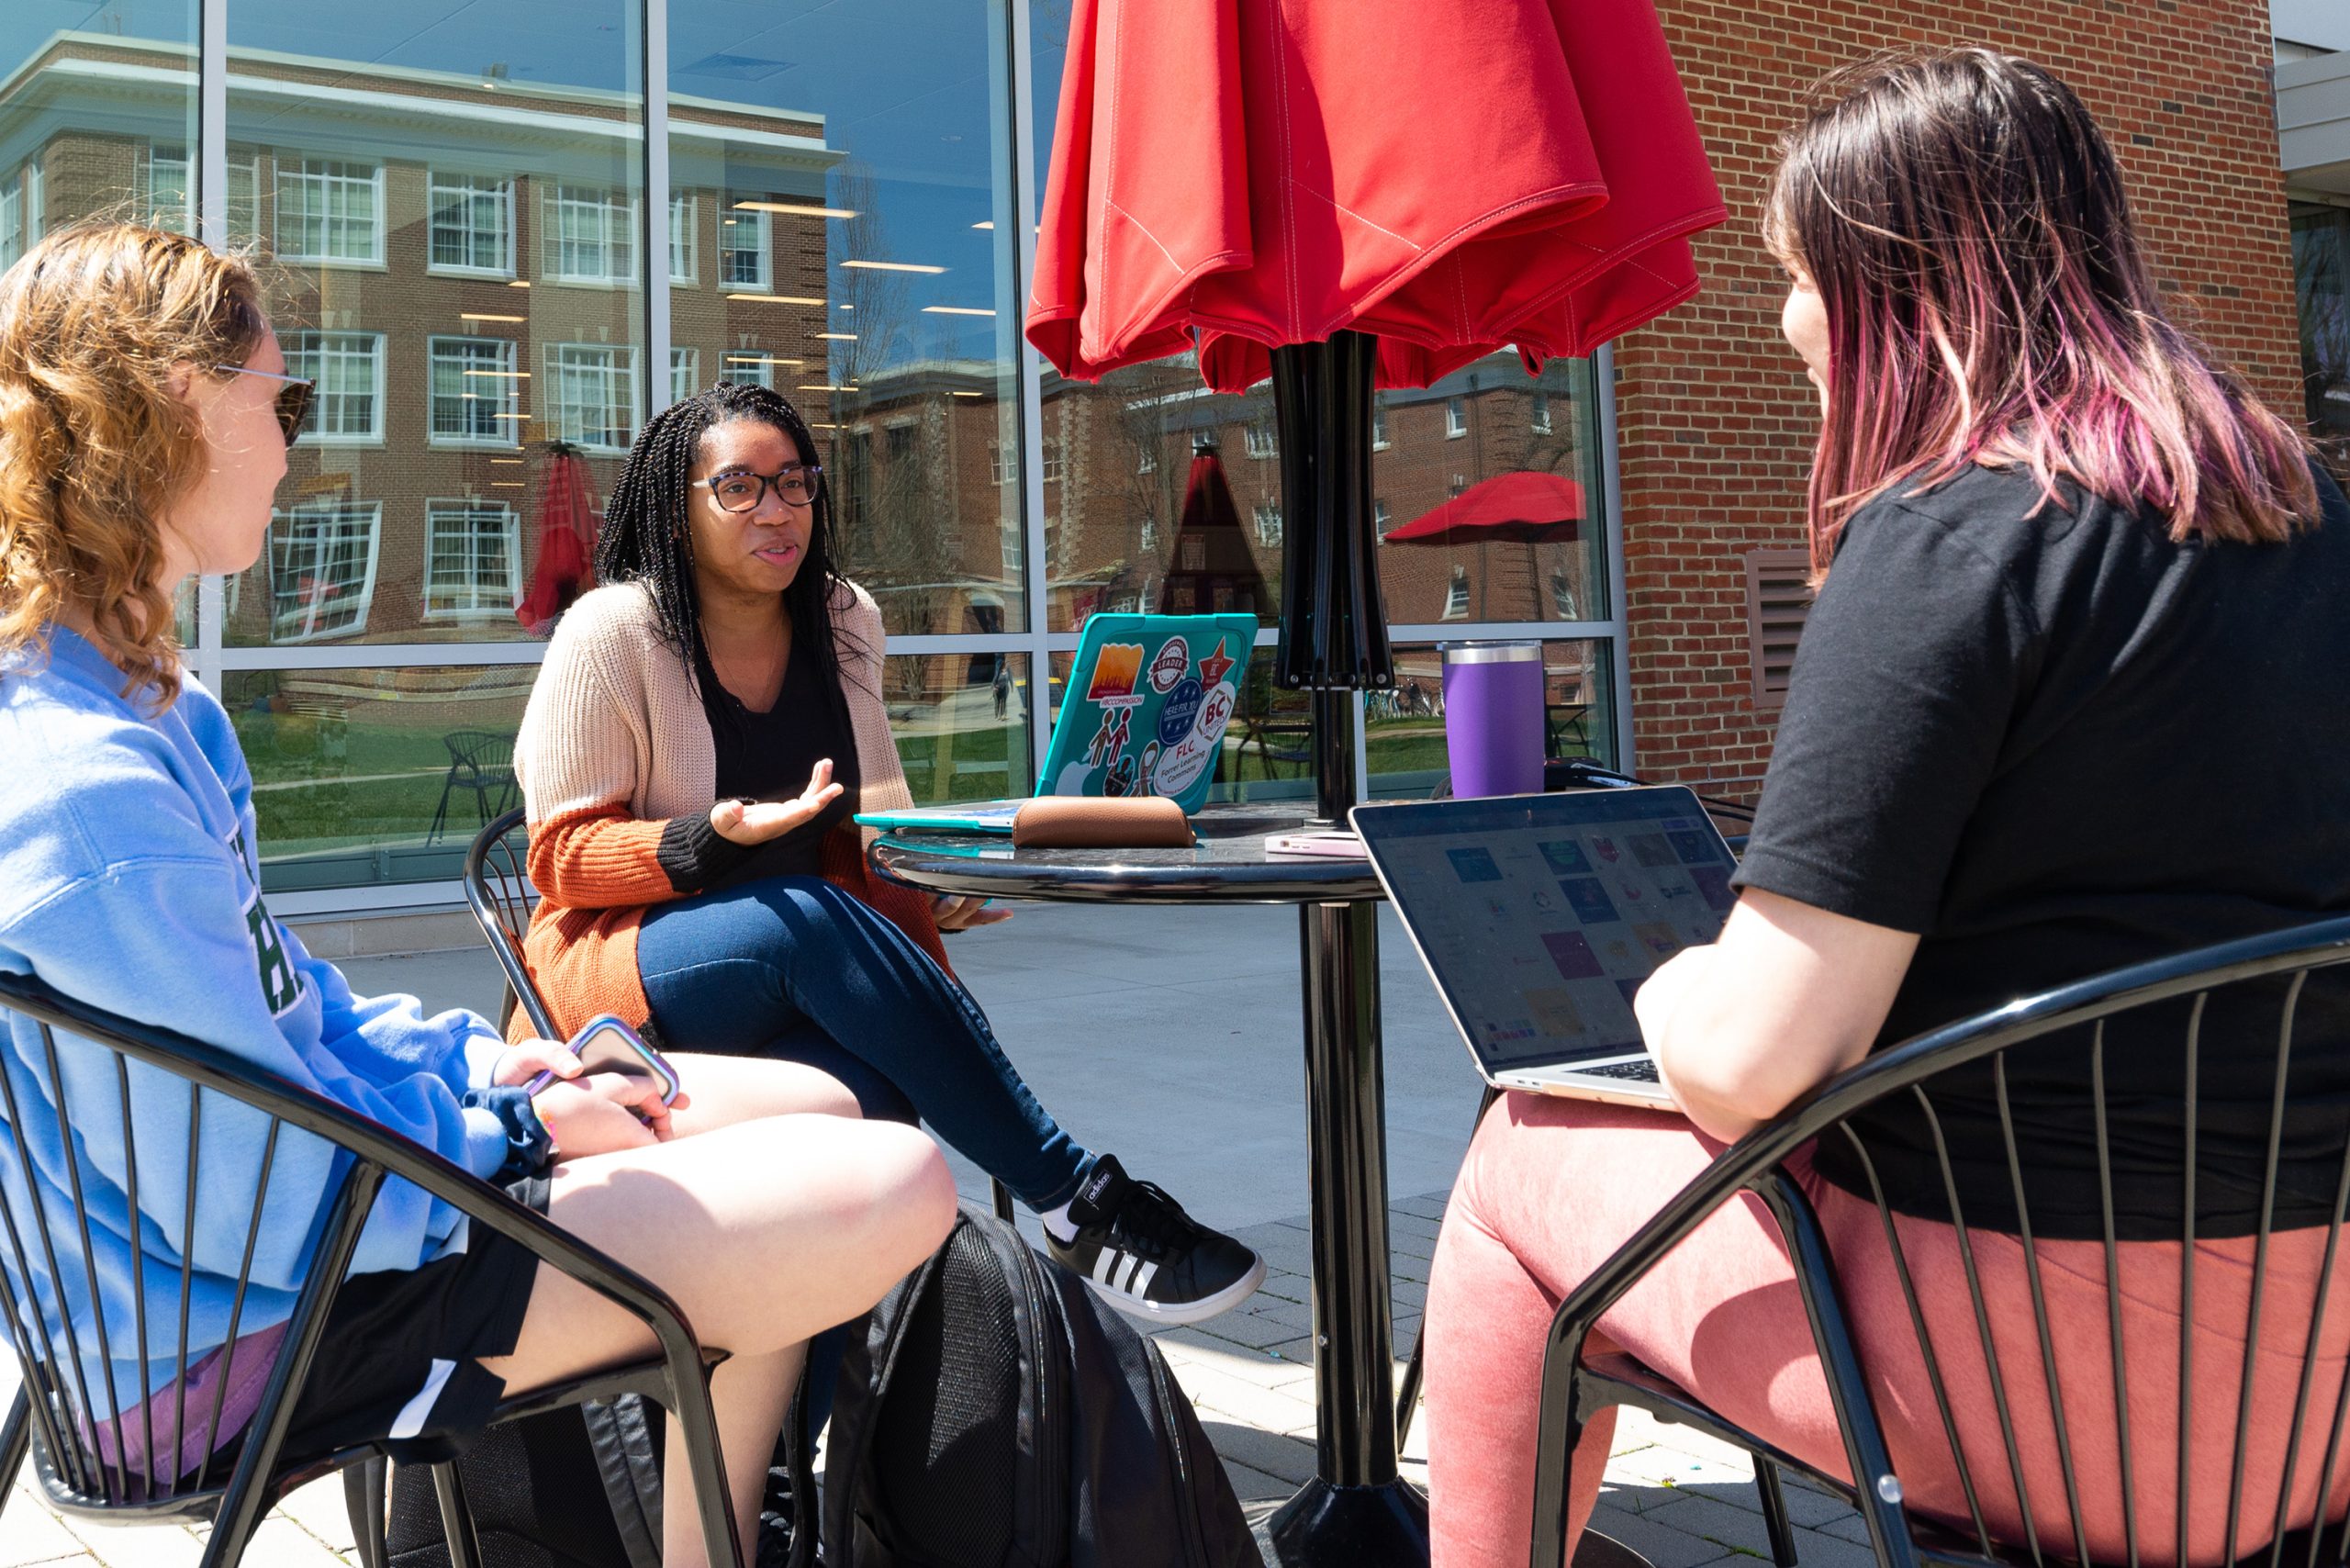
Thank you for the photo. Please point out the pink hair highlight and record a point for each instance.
(1989, 302)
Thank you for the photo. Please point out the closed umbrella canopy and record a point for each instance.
(566, 531)
(1482, 174)
(1537, 509)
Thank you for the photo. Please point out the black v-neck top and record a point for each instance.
(767, 757)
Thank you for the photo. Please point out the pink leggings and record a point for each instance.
(1551, 1187)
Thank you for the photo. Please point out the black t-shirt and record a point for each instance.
(2052, 744)
(767, 757)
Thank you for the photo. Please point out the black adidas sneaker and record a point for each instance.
(1145, 1257)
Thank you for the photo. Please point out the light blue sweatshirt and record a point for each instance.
(129, 878)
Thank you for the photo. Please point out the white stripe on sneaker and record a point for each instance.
(1140, 1283)
(1105, 1266)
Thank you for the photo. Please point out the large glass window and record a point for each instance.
(855, 164)
(89, 96)
(422, 183)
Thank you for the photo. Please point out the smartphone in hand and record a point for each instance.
(606, 1045)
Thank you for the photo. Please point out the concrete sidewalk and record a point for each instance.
(1171, 1037)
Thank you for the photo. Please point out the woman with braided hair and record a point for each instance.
(703, 728)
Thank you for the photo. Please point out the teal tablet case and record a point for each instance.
(1149, 700)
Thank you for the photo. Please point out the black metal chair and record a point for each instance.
(481, 762)
(498, 890)
(56, 1414)
(2260, 977)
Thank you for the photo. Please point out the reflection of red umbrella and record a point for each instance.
(1246, 169)
(1213, 568)
(566, 528)
(1536, 508)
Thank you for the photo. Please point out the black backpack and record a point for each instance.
(998, 1415)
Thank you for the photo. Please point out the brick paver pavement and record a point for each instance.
(1680, 1499)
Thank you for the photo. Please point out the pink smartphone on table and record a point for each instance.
(604, 1044)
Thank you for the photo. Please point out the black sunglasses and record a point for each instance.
(292, 397)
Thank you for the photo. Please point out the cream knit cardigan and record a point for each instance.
(615, 743)
(645, 723)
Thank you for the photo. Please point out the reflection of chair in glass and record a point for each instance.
(483, 763)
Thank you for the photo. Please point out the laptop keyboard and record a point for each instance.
(1644, 1070)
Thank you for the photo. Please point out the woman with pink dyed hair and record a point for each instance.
(2070, 698)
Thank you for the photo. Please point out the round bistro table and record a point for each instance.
(1358, 1509)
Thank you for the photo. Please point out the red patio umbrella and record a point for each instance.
(1272, 171)
(566, 529)
(1533, 508)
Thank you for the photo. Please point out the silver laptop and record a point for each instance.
(1539, 916)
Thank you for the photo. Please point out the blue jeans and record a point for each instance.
(794, 969)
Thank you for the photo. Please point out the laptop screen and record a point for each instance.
(1539, 916)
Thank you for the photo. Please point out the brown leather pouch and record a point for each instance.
(1094, 822)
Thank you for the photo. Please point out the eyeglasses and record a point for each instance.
(795, 486)
(293, 398)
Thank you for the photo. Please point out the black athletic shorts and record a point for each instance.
(402, 1353)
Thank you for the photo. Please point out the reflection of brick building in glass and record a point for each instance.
(458, 313)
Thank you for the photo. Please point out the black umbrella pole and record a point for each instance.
(1356, 1510)
(1334, 620)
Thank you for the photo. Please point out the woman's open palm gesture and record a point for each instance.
(756, 822)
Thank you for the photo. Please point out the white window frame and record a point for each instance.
(12, 219)
(685, 235)
(1260, 440)
(1149, 531)
(1537, 414)
(183, 220)
(1456, 596)
(562, 363)
(685, 373)
(731, 228)
(36, 202)
(444, 511)
(754, 367)
(614, 212)
(1378, 426)
(1147, 462)
(1268, 517)
(327, 176)
(1055, 461)
(301, 624)
(504, 391)
(1562, 595)
(467, 191)
(1456, 418)
(1379, 515)
(1014, 549)
(999, 464)
(309, 354)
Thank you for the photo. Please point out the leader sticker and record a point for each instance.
(1167, 669)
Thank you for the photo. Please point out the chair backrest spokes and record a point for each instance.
(2112, 1217)
(498, 890)
(100, 1324)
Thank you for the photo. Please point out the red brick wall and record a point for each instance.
(1715, 417)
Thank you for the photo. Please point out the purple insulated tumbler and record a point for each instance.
(1492, 717)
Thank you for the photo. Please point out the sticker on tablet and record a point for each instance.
(1182, 707)
(1111, 738)
(1116, 676)
(1213, 665)
(1174, 658)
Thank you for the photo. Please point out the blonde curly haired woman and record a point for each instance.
(144, 415)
